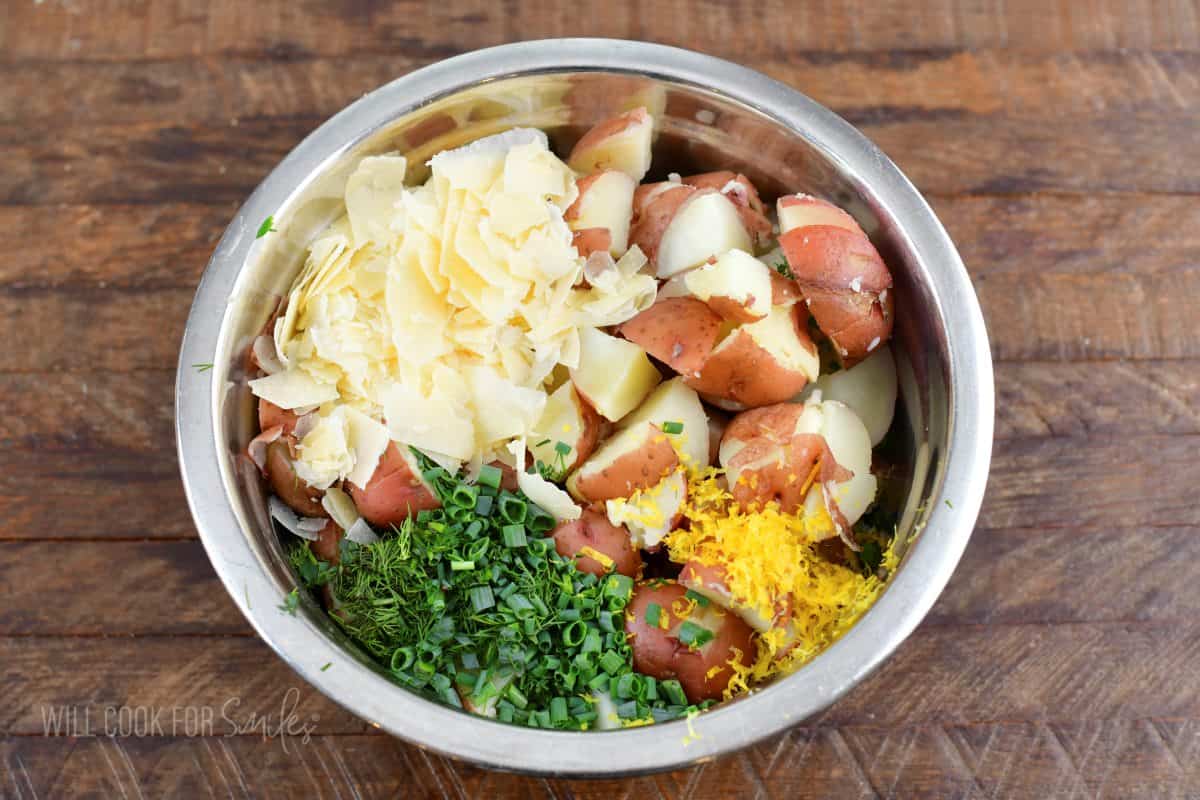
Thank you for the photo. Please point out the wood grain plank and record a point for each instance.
(238, 676)
(1100, 481)
(1011, 760)
(941, 675)
(863, 86)
(119, 494)
(113, 589)
(1059, 576)
(116, 30)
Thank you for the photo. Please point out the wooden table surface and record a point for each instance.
(1059, 142)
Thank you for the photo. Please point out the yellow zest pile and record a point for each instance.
(768, 556)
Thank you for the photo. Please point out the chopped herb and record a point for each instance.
(783, 269)
(453, 602)
(562, 448)
(328, 664)
(653, 614)
(672, 427)
(202, 367)
(949, 504)
(291, 602)
(696, 598)
(694, 636)
(542, 443)
(268, 226)
(871, 556)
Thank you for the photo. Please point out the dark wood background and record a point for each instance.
(1059, 142)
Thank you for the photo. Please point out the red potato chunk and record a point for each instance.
(594, 531)
(658, 652)
(844, 281)
(681, 332)
(394, 492)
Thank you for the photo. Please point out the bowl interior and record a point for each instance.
(699, 130)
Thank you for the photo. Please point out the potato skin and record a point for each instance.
(287, 485)
(659, 653)
(639, 468)
(595, 531)
(681, 332)
(746, 375)
(326, 547)
(785, 459)
(270, 415)
(845, 286)
(393, 493)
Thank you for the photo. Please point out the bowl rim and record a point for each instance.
(300, 641)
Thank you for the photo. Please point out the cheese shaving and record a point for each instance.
(439, 312)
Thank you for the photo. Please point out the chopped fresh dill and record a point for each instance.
(783, 269)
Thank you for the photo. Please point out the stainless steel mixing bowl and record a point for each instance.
(712, 115)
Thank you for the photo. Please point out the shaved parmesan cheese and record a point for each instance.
(436, 422)
(373, 196)
(443, 309)
(368, 439)
(293, 389)
(324, 456)
(509, 410)
(476, 166)
(340, 507)
(265, 354)
(304, 527)
(361, 533)
(543, 493)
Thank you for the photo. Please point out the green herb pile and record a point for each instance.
(472, 601)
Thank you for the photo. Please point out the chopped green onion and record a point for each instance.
(624, 688)
(482, 598)
(693, 635)
(464, 496)
(512, 508)
(606, 621)
(562, 448)
(591, 642)
(558, 710)
(490, 476)
(672, 427)
(267, 226)
(514, 535)
(627, 710)
(539, 520)
(600, 682)
(518, 603)
(697, 598)
(515, 696)
(611, 663)
(574, 634)
(403, 658)
(673, 689)
(462, 566)
(483, 505)
(653, 614)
